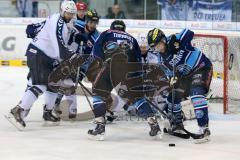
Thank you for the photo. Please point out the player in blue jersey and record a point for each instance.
(106, 48)
(193, 71)
(86, 32)
(81, 12)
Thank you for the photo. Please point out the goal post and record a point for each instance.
(217, 48)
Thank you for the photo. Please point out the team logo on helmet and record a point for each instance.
(92, 15)
(155, 34)
(89, 13)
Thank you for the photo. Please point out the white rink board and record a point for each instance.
(124, 140)
(13, 40)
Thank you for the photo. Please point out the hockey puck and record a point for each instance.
(171, 145)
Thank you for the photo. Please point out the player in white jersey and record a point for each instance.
(46, 50)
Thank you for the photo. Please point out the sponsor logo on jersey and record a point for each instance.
(178, 58)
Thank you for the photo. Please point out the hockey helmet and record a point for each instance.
(92, 15)
(81, 6)
(68, 6)
(118, 25)
(154, 36)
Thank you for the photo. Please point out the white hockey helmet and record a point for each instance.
(68, 6)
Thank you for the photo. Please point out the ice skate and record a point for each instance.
(205, 135)
(110, 117)
(155, 129)
(49, 118)
(72, 116)
(176, 123)
(15, 117)
(99, 132)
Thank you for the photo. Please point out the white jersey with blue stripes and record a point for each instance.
(53, 38)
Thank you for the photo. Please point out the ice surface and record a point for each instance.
(124, 140)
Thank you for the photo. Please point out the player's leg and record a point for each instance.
(145, 110)
(110, 116)
(48, 116)
(174, 110)
(29, 84)
(57, 109)
(72, 99)
(72, 103)
(99, 110)
(101, 90)
(200, 87)
(39, 71)
(30, 96)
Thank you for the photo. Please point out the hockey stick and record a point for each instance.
(193, 135)
(78, 69)
(84, 89)
(180, 135)
(90, 93)
(77, 80)
(173, 85)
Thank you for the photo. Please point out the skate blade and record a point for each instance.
(202, 140)
(50, 124)
(16, 124)
(99, 137)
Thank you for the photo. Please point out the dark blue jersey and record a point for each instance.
(188, 59)
(88, 38)
(119, 37)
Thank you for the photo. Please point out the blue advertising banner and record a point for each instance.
(196, 10)
(205, 11)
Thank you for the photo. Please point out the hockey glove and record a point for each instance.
(173, 81)
(173, 45)
(80, 37)
(30, 31)
(55, 64)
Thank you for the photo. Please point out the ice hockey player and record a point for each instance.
(81, 12)
(193, 71)
(152, 57)
(45, 50)
(104, 48)
(88, 34)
